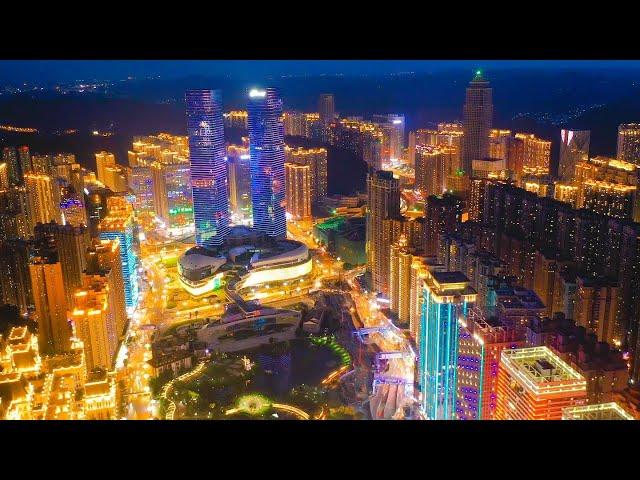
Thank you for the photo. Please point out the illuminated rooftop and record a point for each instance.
(601, 411)
(542, 372)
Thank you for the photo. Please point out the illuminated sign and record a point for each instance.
(255, 93)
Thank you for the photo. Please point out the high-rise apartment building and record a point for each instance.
(478, 116)
(447, 297)
(431, 169)
(536, 154)
(71, 244)
(629, 143)
(297, 180)
(93, 319)
(383, 193)
(43, 199)
(326, 108)
(208, 166)
(266, 148)
(316, 158)
(15, 280)
(49, 298)
(401, 260)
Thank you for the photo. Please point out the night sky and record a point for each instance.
(35, 71)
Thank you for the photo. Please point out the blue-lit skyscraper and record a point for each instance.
(266, 148)
(119, 224)
(446, 298)
(207, 153)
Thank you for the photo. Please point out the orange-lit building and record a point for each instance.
(535, 384)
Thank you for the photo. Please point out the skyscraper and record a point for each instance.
(118, 224)
(71, 244)
(478, 115)
(383, 193)
(446, 298)
(54, 331)
(104, 160)
(43, 199)
(316, 158)
(298, 190)
(14, 172)
(574, 148)
(266, 148)
(326, 108)
(629, 142)
(208, 166)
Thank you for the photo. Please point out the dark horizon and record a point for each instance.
(63, 71)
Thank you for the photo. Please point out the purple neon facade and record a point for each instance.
(266, 149)
(207, 152)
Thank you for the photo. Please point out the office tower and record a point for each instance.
(70, 243)
(297, 180)
(480, 344)
(600, 411)
(266, 147)
(574, 148)
(43, 199)
(15, 280)
(446, 299)
(14, 172)
(629, 143)
(478, 115)
(49, 298)
(536, 154)
(443, 214)
(176, 180)
(93, 319)
(326, 108)
(104, 160)
(103, 258)
(535, 384)
(119, 224)
(239, 164)
(430, 170)
(411, 150)
(208, 166)
(383, 193)
(316, 158)
(400, 280)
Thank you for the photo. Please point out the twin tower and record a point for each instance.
(207, 152)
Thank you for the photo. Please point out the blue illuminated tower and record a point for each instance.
(446, 298)
(207, 152)
(266, 148)
(119, 224)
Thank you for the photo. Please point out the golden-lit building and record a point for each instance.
(104, 160)
(43, 199)
(94, 322)
(316, 158)
(401, 260)
(536, 155)
(431, 168)
(566, 192)
(535, 384)
(297, 180)
(4, 176)
(499, 144)
(609, 187)
(629, 143)
(235, 119)
(50, 302)
(602, 411)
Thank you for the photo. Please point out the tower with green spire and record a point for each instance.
(477, 119)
